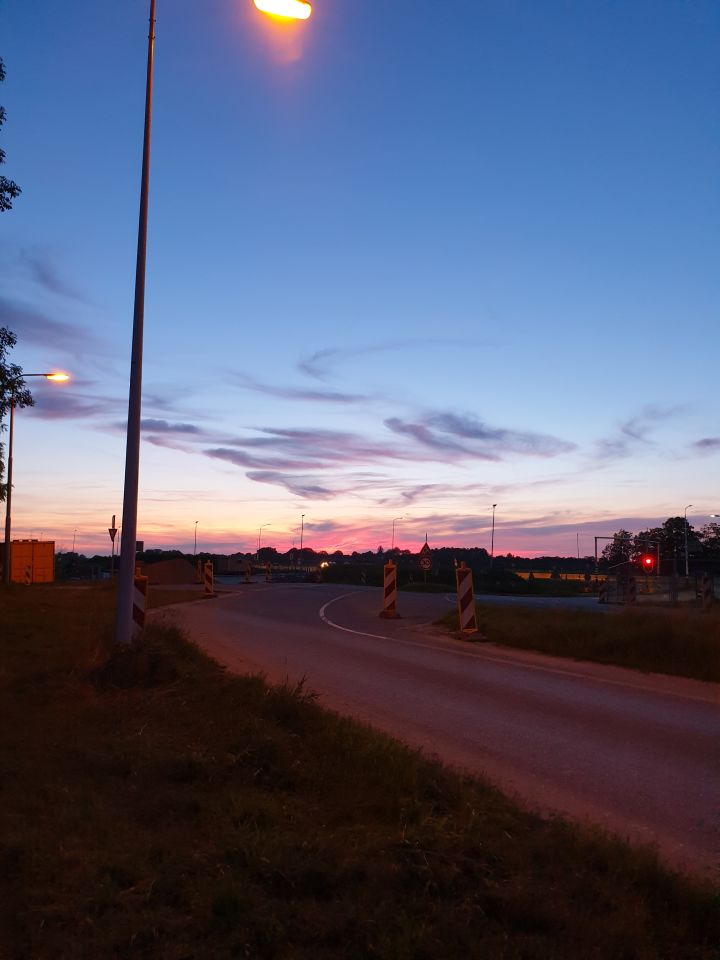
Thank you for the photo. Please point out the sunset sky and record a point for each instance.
(405, 260)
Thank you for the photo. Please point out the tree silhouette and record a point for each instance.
(9, 190)
(12, 386)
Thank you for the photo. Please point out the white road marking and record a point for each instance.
(508, 661)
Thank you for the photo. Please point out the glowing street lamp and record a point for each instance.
(289, 9)
(57, 378)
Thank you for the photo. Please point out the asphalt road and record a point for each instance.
(635, 753)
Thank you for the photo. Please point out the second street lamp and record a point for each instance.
(57, 378)
(392, 545)
(287, 9)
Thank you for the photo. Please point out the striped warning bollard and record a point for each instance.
(707, 591)
(140, 590)
(466, 599)
(208, 583)
(389, 610)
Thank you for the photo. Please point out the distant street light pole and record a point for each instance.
(296, 9)
(74, 532)
(392, 545)
(302, 530)
(492, 536)
(58, 378)
(195, 542)
(687, 558)
(259, 535)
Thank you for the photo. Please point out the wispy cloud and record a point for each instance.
(443, 431)
(706, 445)
(58, 336)
(44, 270)
(635, 432)
(297, 393)
(304, 487)
(61, 404)
(164, 426)
(318, 364)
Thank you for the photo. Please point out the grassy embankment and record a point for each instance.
(680, 642)
(155, 807)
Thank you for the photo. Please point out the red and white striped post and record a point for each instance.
(466, 599)
(140, 590)
(208, 581)
(389, 610)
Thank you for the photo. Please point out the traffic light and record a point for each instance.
(648, 563)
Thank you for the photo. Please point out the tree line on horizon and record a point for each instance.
(666, 542)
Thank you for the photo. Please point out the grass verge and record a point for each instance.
(154, 806)
(680, 642)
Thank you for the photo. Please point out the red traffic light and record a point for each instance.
(648, 563)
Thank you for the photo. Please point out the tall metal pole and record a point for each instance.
(492, 536)
(123, 620)
(195, 542)
(687, 558)
(302, 530)
(8, 489)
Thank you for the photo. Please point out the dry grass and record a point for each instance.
(155, 807)
(680, 642)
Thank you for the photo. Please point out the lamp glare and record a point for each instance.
(290, 9)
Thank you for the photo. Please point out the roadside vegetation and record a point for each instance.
(154, 806)
(682, 642)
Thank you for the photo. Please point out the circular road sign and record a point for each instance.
(425, 563)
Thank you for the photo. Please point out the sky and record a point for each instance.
(405, 261)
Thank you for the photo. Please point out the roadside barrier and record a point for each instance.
(140, 590)
(27, 578)
(268, 573)
(466, 599)
(389, 610)
(708, 595)
(208, 581)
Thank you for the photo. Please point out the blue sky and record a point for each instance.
(405, 260)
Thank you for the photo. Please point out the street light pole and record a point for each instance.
(392, 545)
(302, 530)
(8, 487)
(299, 9)
(195, 543)
(492, 536)
(687, 558)
(259, 535)
(123, 620)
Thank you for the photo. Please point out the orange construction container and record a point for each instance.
(32, 561)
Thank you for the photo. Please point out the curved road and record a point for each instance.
(635, 753)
